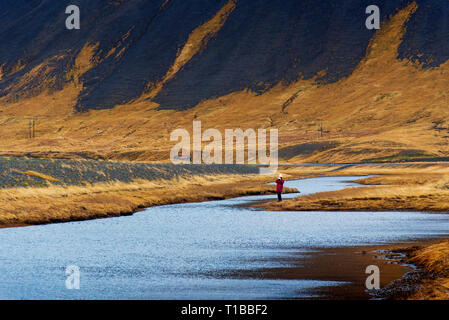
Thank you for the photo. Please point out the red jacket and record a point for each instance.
(279, 185)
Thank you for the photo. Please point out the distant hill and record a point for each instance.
(137, 69)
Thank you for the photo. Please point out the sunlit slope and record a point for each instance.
(297, 66)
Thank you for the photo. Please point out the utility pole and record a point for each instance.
(320, 128)
(34, 128)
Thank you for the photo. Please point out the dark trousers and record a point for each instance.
(279, 196)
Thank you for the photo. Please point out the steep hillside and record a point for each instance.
(138, 69)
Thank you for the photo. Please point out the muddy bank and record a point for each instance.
(423, 189)
(399, 279)
(429, 280)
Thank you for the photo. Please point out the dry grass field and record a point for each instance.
(28, 206)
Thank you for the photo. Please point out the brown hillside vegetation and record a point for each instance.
(386, 107)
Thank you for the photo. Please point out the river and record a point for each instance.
(208, 250)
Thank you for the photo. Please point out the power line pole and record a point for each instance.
(34, 128)
(320, 128)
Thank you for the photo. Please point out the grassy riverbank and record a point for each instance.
(419, 187)
(39, 191)
(27, 206)
(405, 187)
(429, 280)
(433, 260)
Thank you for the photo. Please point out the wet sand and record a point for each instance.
(345, 264)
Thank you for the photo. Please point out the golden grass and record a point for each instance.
(25, 206)
(197, 41)
(83, 62)
(434, 259)
(38, 175)
(432, 290)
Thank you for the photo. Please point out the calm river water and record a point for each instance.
(192, 251)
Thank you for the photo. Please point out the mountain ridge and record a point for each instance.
(395, 84)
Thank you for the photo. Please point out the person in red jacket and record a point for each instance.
(279, 187)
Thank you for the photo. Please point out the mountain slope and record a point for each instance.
(138, 69)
